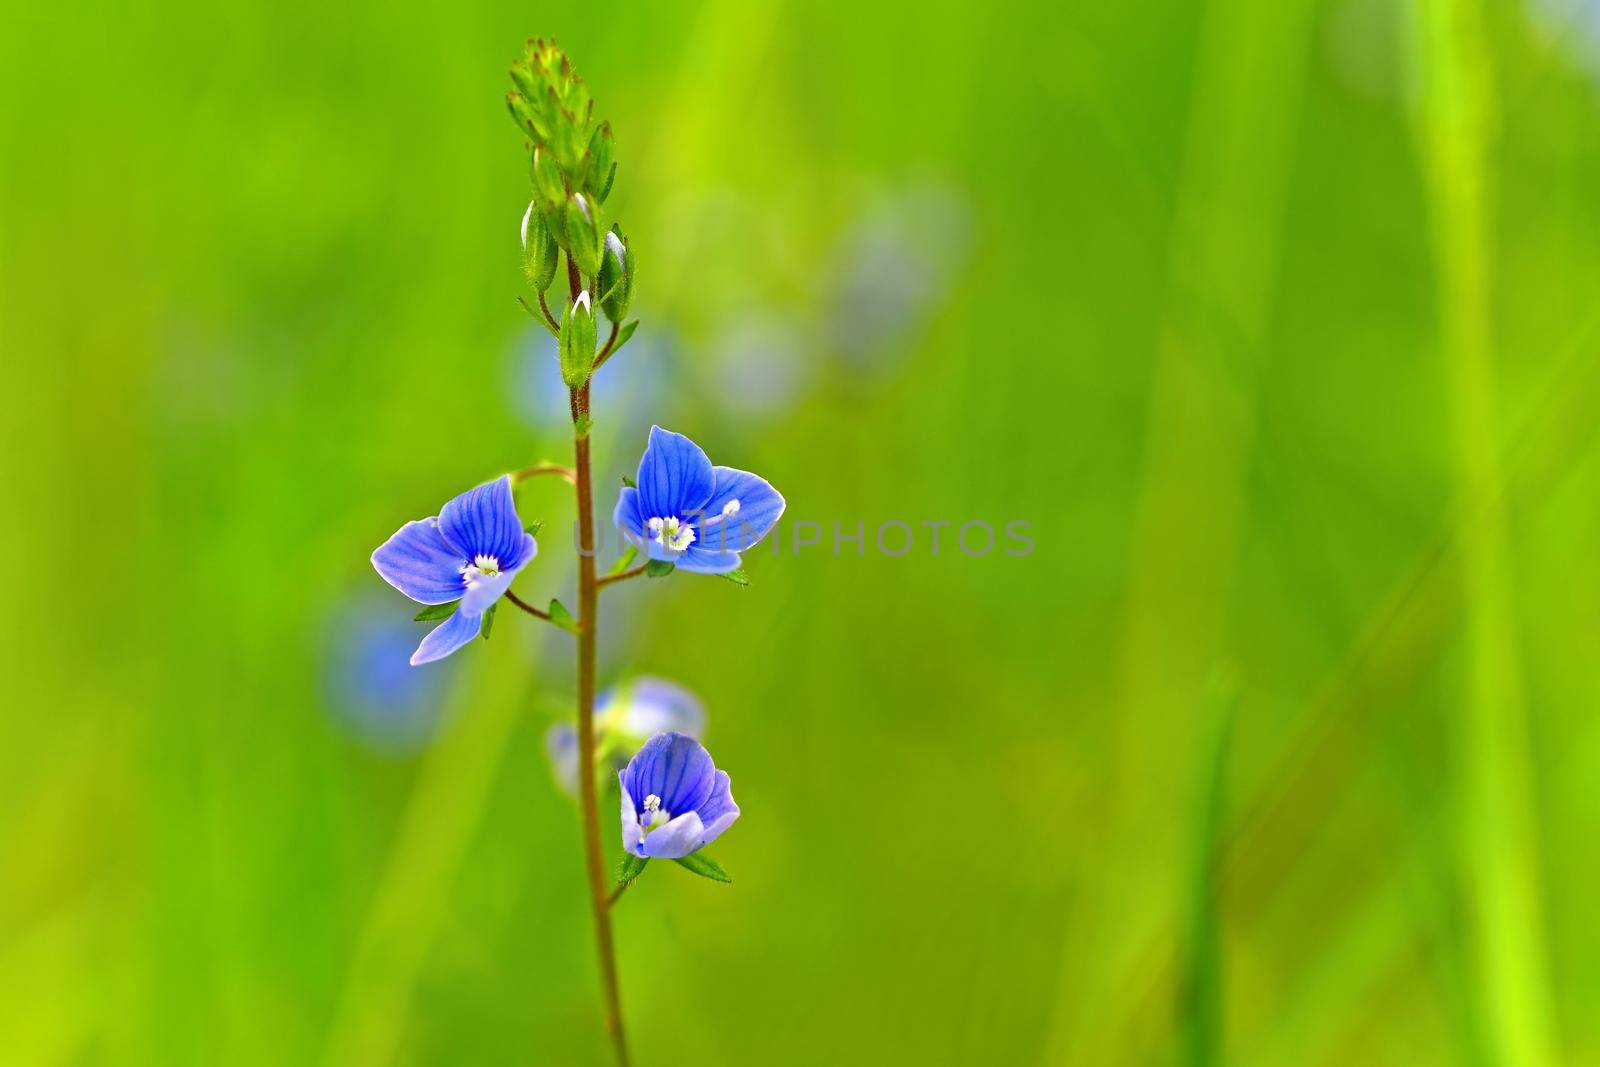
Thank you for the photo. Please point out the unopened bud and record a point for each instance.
(538, 249)
(616, 276)
(577, 342)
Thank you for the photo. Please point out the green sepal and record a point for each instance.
(737, 576)
(586, 234)
(616, 278)
(539, 251)
(562, 617)
(627, 481)
(534, 527)
(576, 347)
(488, 621)
(659, 568)
(623, 335)
(435, 611)
(605, 187)
(625, 559)
(704, 866)
(630, 868)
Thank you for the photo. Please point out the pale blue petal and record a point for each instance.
(651, 706)
(704, 561)
(719, 811)
(477, 599)
(674, 839)
(448, 636)
(675, 476)
(420, 563)
(676, 768)
(561, 742)
(484, 522)
(760, 505)
(626, 514)
(632, 833)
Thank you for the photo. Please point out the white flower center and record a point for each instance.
(673, 534)
(653, 815)
(480, 568)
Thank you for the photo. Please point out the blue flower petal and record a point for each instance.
(675, 477)
(448, 636)
(488, 590)
(632, 832)
(420, 563)
(625, 516)
(700, 560)
(759, 506)
(674, 767)
(719, 811)
(484, 522)
(674, 839)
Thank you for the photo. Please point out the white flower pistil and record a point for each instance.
(673, 534)
(653, 815)
(480, 568)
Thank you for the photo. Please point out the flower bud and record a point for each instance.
(601, 170)
(538, 249)
(616, 276)
(586, 234)
(577, 342)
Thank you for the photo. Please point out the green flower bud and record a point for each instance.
(586, 234)
(600, 169)
(538, 249)
(616, 276)
(577, 342)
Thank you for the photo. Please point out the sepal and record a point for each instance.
(577, 342)
(659, 568)
(630, 868)
(616, 276)
(436, 611)
(703, 865)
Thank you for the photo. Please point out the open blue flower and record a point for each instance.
(625, 717)
(674, 800)
(470, 553)
(687, 512)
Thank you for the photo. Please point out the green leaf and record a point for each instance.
(562, 617)
(631, 867)
(704, 866)
(737, 576)
(624, 560)
(534, 527)
(629, 482)
(435, 611)
(622, 337)
(659, 568)
(488, 622)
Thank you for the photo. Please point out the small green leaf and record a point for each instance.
(622, 337)
(704, 866)
(624, 560)
(629, 482)
(488, 622)
(737, 576)
(435, 611)
(534, 527)
(659, 568)
(562, 617)
(631, 867)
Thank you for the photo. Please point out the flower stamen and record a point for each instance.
(673, 534)
(480, 568)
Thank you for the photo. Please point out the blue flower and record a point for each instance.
(468, 553)
(674, 800)
(625, 717)
(686, 511)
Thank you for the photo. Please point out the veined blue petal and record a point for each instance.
(448, 636)
(674, 839)
(700, 560)
(675, 476)
(626, 515)
(484, 522)
(719, 811)
(632, 832)
(753, 508)
(486, 591)
(674, 767)
(420, 563)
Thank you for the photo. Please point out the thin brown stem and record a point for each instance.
(565, 473)
(529, 608)
(622, 576)
(605, 352)
(616, 893)
(548, 317)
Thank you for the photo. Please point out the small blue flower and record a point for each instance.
(674, 800)
(470, 552)
(687, 512)
(625, 717)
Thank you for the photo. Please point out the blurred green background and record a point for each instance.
(1275, 319)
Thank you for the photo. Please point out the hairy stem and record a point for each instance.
(622, 576)
(588, 601)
